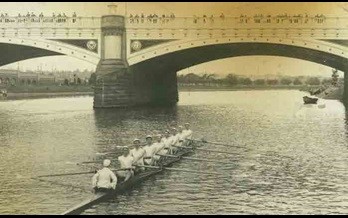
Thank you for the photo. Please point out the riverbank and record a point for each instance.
(18, 96)
(30, 92)
(241, 88)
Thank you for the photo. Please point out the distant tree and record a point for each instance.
(231, 79)
(93, 78)
(334, 77)
(181, 79)
(272, 82)
(192, 78)
(326, 82)
(78, 81)
(66, 82)
(297, 82)
(211, 78)
(245, 81)
(313, 81)
(259, 82)
(285, 81)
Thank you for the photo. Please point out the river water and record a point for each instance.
(296, 163)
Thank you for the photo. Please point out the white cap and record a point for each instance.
(187, 124)
(148, 136)
(106, 162)
(135, 140)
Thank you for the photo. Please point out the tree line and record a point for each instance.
(234, 80)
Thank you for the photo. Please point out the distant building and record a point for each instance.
(13, 77)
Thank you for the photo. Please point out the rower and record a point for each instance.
(126, 162)
(163, 138)
(138, 155)
(159, 149)
(104, 180)
(167, 142)
(187, 133)
(181, 137)
(149, 151)
(174, 140)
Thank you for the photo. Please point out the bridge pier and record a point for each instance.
(152, 86)
(114, 85)
(119, 85)
(345, 90)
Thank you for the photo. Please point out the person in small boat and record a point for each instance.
(138, 154)
(104, 179)
(149, 151)
(159, 149)
(187, 133)
(167, 142)
(126, 162)
(163, 138)
(174, 141)
(180, 135)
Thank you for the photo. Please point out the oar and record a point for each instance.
(114, 152)
(62, 184)
(218, 143)
(201, 149)
(75, 173)
(178, 169)
(192, 158)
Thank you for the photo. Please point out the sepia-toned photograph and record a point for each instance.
(173, 108)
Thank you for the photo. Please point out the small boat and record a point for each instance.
(308, 100)
(124, 186)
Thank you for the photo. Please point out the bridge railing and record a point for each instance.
(237, 22)
(50, 22)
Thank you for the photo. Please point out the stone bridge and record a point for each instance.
(137, 58)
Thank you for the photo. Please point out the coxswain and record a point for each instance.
(104, 180)
(149, 151)
(126, 162)
(138, 155)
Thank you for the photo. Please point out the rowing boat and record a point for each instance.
(124, 186)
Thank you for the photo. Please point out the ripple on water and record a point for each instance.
(296, 162)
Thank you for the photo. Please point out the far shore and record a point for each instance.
(54, 92)
(241, 88)
(21, 96)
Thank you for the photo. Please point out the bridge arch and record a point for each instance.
(18, 49)
(154, 70)
(180, 54)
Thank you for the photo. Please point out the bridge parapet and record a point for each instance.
(236, 22)
(50, 22)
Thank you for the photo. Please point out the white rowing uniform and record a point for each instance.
(175, 142)
(168, 144)
(150, 151)
(125, 162)
(159, 146)
(138, 155)
(104, 178)
(181, 138)
(163, 139)
(187, 133)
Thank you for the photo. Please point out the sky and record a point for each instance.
(285, 66)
